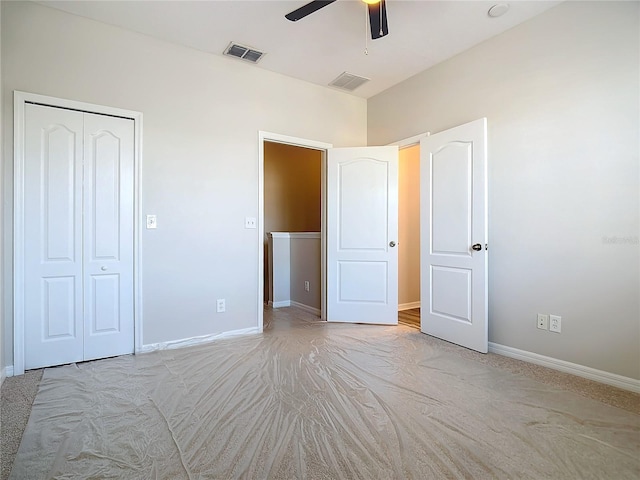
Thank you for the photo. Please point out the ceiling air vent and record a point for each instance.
(348, 81)
(243, 53)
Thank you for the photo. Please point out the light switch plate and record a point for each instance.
(250, 222)
(152, 221)
(220, 305)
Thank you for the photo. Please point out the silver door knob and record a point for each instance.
(104, 269)
(477, 247)
(392, 243)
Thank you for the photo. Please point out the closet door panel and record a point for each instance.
(108, 236)
(53, 327)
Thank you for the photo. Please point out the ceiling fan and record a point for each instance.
(377, 14)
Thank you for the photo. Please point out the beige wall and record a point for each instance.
(202, 114)
(562, 100)
(409, 225)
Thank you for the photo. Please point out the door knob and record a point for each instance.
(104, 269)
(392, 243)
(477, 247)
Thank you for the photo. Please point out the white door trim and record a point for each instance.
(411, 141)
(298, 142)
(20, 99)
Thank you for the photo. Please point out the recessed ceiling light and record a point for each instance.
(498, 10)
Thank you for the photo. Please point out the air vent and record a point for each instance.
(348, 81)
(243, 53)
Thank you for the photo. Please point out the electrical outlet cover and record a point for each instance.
(543, 321)
(555, 323)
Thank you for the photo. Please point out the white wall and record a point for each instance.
(306, 266)
(2, 177)
(280, 269)
(202, 115)
(561, 94)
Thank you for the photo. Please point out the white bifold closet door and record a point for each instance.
(78, 230)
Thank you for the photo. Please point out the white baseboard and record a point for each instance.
(189, 342)
(280, 304)
(408, 306)
(601, 376)
(6, 372)
(306, 308)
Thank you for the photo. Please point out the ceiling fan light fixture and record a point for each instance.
(377, 10)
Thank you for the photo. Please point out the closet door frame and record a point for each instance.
(20, 100)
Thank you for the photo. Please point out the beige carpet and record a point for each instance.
(17, 396)
(311, 400)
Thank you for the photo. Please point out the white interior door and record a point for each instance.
(453, 235)
(362, 234)
(53, 237)
(108, 236)
(78, 247)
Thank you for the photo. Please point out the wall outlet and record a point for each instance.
(543, 321)
(250, 222)
(220, 305)
(306, 285)
(555, 323)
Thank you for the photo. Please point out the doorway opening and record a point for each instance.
(292, 155)
(292, 227)
(359, 263)
(409, 236)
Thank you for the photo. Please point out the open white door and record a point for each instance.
(453, 235)
(362, 233)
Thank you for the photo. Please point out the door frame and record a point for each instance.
(296, 142)
(20, 100)
(410, 141)
(406, 143)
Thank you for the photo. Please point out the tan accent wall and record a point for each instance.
(409, 225)
(292, 189)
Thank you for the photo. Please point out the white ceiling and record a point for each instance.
(321, 46)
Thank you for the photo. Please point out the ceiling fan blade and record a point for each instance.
(307, 9)
(378, 19)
